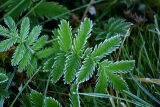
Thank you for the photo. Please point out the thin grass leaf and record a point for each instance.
(58, 67)
(71, 66)
(25, 26)
(33, 35)
(36, 99)
(117, 81)
(74, 97)
(40, 43)
(18, 55)
(65, 34)
(25, 60)
(51, 102)
(83, 34)
(6, 44)
(86, 70)
(10, 23)
(107, 47)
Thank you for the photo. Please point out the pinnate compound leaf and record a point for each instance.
(6, 44)
(86, 70)
(107, 47)
(83, 34)
(18, 55)
(65, 34)
(71, 66)
(58, 66)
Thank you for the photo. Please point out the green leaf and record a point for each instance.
(33, 36)
(18, 54)
(101, 83)
(121, 66)
(71, 66)
(25, 25)
(49, 10)
(117, 26)
(17, 7)
(6, 44)
(118, 82)
(40, 43)
(45, 53)
(65, 34)
(58, 67)
(48, 64)
(4, 31)
(32, 66)
(86, 70)
(74, 98)
(107, 47)
(10, 23)
(36, 99)
(25, 60)
(3, 78)
(83, 35)
(51, 102)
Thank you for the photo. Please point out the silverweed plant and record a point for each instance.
(73, 60)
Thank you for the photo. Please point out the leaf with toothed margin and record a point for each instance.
(83, 34)
(101, 83)
(25, 60)
(123, 66)
(86, 70)
(10, 23)
(48, 64)
(18, 55)
(6, 44)
(58, 66)
(64, 37)
(71, 66)
(36, 99)
(117, 81)
(74, 98)
(33, 35)
(25, 26)
(51, 102)
(106, 47)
